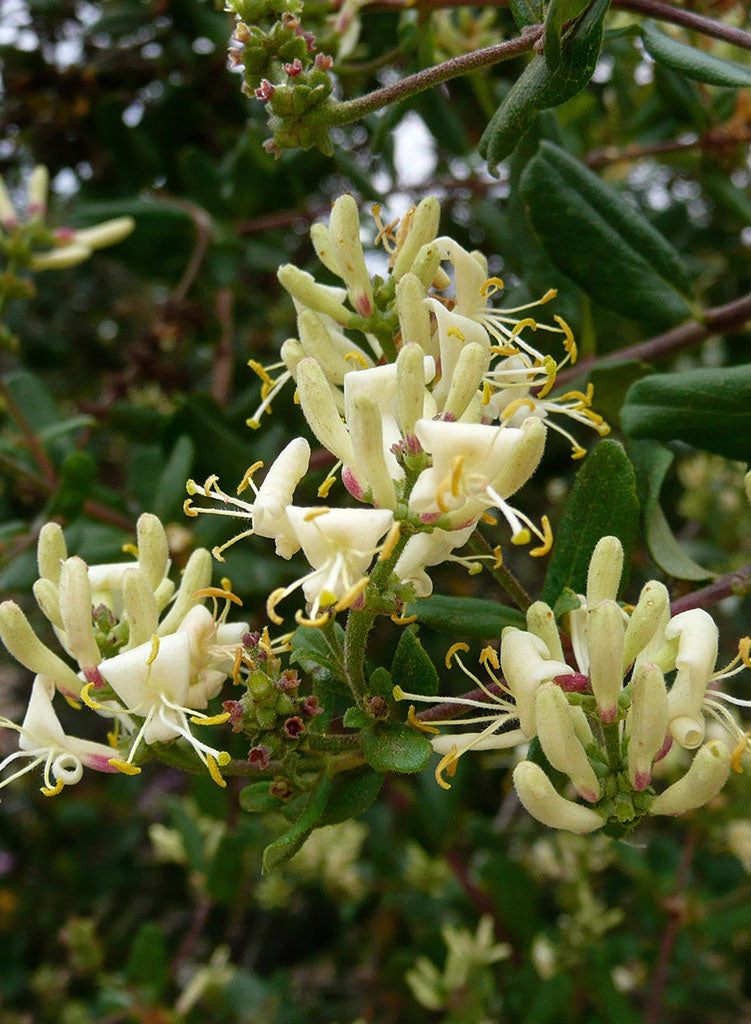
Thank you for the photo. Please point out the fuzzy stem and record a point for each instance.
(479, 546)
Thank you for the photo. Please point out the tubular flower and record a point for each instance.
(42, 742)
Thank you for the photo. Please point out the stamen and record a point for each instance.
(247, 480)
(738, 752)
(415, 722)
(130, 549)
(547, 542)
(124, 766)
(392, 539)
(210, 720)
(54, 790)
(218, 592)
(447, 764)
(352, 594)
(315, 623)
(453, 650)
(214, 772)
(403, 620)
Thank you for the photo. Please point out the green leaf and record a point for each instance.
(601, 242)
(76, 479)
(256, 798)
(356, 718)
(393, 747)
(379, 683)
(651, 462)
(465, 616)
(312, 653)
(527, 12)
(538, 88)
(611, 382)
(170, 490)
(559, 12)
(567, 601)
(709, 409)
(289, 842)
(148, 961)
(352, 793)
(693, 63)
(412, 668)
(602, 502)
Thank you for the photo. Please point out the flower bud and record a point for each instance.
(153, 549)
(51, 552)
(647, 723)
(524, 458)
(366, 431)
(414, 317)
(75, 610)
(605, 632)
(305, 289)
(317, 344)
(705, 778)
(560, 743)
(427, 265)
(7, 210)
(47, 597)
(747, 484)
(646, 625)
(140, 608)
(344, 231)
(541, 622)
(320, 411)
(38, 188)
(196, 576)
(26, 647)
(467, 377)
(276, 491)
(525, 664)
(321, 239)
(422, 230)
(540, 799)
(697, 637)
(605, 571)
(61, 259)
(292, 352)
(109, 232)
(410, 386)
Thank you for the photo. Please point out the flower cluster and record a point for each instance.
(434, 407)
(148, 657)
(597, 705)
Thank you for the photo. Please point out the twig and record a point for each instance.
(718, 139)
(479, 546)
(204, 227)
(440, 711)
(478, 896)
(726, 586)
(676, 911)
(721, 319)
(224, 354)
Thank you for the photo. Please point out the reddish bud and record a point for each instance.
(259, 756)
(573, 682)
(265, 90)
(294, 69)
(93, 675)
(311, 707)
(294, 727)
(323, 62)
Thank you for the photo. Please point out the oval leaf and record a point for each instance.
(352, 793)
(393, 747)
(412, 668)
(465, 616)
(693, 63)
(290, 841)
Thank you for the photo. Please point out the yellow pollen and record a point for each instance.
(130, 549)
(113, 737)
(489, 655)
(57, 788)
(209, 482)
(493, 284)
(226, 583)
(454, 332)
(266, 640)
(403, 620)
(547, 543)
(487, 394)
(214, 772)
(397, 693)
(453, 650)
(522, 537)
(261, 371)
(738, 752)
(154, 650)
(254, 424)
(549, 294)
(237, 665)
(440, 494)
(744, 650)
(271, 602)
(124, 766)
(578, 452)
(73, 703)
(223, 759)
(456, 474)
(569, 343)
(188, 509)
(323, 490)
(504, 350)
(351, 595)
(603, 429)
(213, 720)
(578, 395)
(517, 404)
(498, 557)
(392, 539)
(415, 722)
(528, 321)
(315, 514)
(296, 397)
(447, 764)
(487, 518)
(191, 487)
(248, 475)
(221, 592)
(316, 623)
(551, 368)
(88, 700)
(358, 357)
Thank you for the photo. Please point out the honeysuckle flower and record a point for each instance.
(340, 545)
(540, 799)
(267, 513)
(702, 782)
(213, 646)
(153, 681)
(42, 741)
(426, 549)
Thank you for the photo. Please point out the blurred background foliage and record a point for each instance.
(141, 900)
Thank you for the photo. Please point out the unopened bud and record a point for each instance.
(540, 799)
(153, 549)
(702, 782)
(7, 210)
(525, 664)
(140, 608)
(562, 747)
(647, 722)
(427, 264)
(524, 458)
(51, 552)
(413, 313)
(469, 371)
(605, 571)
(697, 637)
(109, 232)
(303, 287)
(61, 259)
(541, 622)
(366, 429)
(422, 230)
(196, 576)
(605, 632)
(292, 352)
(646, 625)
(47, 597)
(320, 411)
(26, 647)
(75, 610)
(410, 385)
(318, 344)
(320, 236)
(344, 230)
(38, 188)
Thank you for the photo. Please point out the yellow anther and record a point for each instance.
(492, 285)
(551, 368)
(323, 490)
(578, 452)
(358, 357)
(265, 641)
(73, 703)
(316, 623)
(296, 397)
(578, 395)
(349, 598)
(547, 543)
(188, 508)
(271, 602)
(504, 350)
(453, 650)
(603, 429)
(744, 649)
(569, 343)
(248, 476)
(498, 557)
(392, 539)
(87, 699)
(124, 766)
(261, 371)
(191, 487)
(154, 650)
(440, 494)
(454, 332)
(255, 424)
(397, 693)
(226, 584)
(326, 598)
(415, 722)
(223, 759)
(130, 549)
(315, 513)
(403, 620)
(209, 482)
(447, 764)
(549, 294)
(522, 537)
(57, 788)
(237, 665)
(487, 518)
(489, 655)
(514, 407)
(487, 394)
(456, 474)
(738, 752)
(528, 321)
(214, 772)
(213, 720)
(220, 592)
